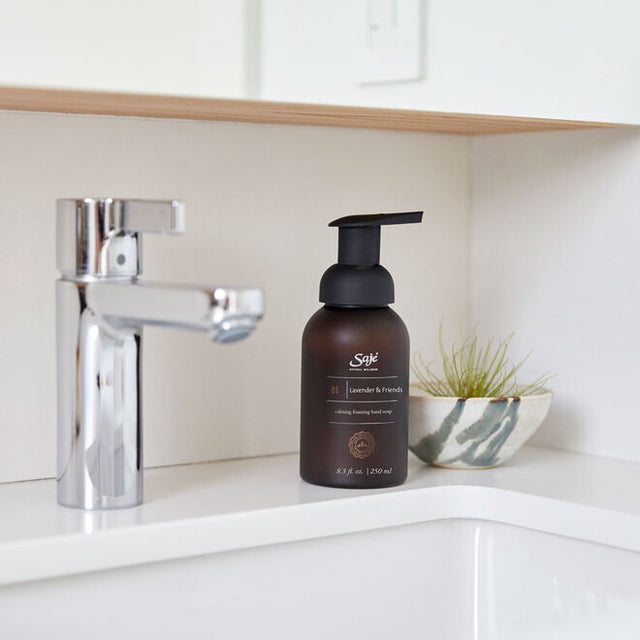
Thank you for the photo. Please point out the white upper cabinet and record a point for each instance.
(560, 59)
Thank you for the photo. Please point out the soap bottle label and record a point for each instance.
(364, 409)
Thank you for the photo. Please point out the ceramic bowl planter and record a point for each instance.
(472, 433)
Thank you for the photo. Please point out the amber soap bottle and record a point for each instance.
(355, 367)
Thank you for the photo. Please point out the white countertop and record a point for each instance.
(209, 508)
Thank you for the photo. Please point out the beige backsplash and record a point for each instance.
(258, 201)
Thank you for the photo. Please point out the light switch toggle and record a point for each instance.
(382, 23)
(391, 48)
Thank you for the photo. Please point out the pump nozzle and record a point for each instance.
(371, 219)
(358, 279)
(359, 236)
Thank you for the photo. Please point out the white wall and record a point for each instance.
(555, 255)
(194, 47)
(572, 59)
(259, 198)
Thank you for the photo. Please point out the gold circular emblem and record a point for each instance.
(362, 444)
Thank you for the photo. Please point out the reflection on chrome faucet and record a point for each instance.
(101, 309)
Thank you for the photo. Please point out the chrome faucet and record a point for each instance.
(101, 308)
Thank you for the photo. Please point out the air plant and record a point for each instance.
(471, 370)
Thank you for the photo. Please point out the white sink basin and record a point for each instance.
(453, 579)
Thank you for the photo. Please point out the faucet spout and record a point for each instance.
(224, 314)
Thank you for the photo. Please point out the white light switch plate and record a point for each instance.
(391, 45)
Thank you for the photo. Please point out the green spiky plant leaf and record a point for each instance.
(473, 370)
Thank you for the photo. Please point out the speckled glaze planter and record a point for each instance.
(472, 433)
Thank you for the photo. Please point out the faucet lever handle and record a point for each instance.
(98, 237)
(155, 216)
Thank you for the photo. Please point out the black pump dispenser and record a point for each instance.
(358, 279)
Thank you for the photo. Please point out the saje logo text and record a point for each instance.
(360, 359)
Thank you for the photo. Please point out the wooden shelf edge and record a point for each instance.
(264, 112)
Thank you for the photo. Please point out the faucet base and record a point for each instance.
(99, 413)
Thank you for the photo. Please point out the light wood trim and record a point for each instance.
(189, 108)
